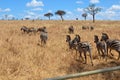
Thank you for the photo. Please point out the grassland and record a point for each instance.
(22, 59)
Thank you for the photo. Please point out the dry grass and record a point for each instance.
(22, 59)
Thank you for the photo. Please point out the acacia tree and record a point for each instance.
(48, 15)
(60, 13)
(84, 15)
(27, 18)
(93, 10)
(13, 18)
(6, 17)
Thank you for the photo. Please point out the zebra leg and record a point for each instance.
(111, 52)
(99, 53)
(85, 56)
(80, 55)
(76, 53)
(41, 42)
(44, 42)
(103, 54)
(90, 54)
(107, 51)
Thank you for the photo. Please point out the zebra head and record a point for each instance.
(77, 39)
(96, 39)
(68, 38)
(104, 37)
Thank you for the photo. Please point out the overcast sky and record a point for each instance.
(73, 8)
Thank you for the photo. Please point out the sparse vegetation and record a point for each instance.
(22, 59)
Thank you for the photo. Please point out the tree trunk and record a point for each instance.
(49, 17)
(93, 18)
(62, 18)
(85, 18)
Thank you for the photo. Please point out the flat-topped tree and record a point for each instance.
(84, 15)
(60, 13)
(93, 10)
(48, 15)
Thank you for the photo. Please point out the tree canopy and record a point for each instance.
(60, 13)
(48, 15)
(93, 10)
(84, 15)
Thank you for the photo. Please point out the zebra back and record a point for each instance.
(84, 47)
(113, 44)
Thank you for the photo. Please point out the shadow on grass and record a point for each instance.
(77, 67)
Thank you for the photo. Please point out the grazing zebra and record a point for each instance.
(112, 44)
(43, 29)
(71, 29)
(25, 29)
(28, 30)
(84, 47)
(101, 47)
(85, 28)
(34, 30)
(88, 28)
(91, 28)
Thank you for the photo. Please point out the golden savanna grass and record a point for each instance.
(21, 58)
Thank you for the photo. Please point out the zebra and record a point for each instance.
(81, 47)
(34, 30)
(43, 29)
(76, 39)
(101, 47)
(73, 43)
(71, 29)
(43, 37)
(84, 47)
(112, 44)
(28, 30)
(25, 29)
(91, 28)
(85, 28)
